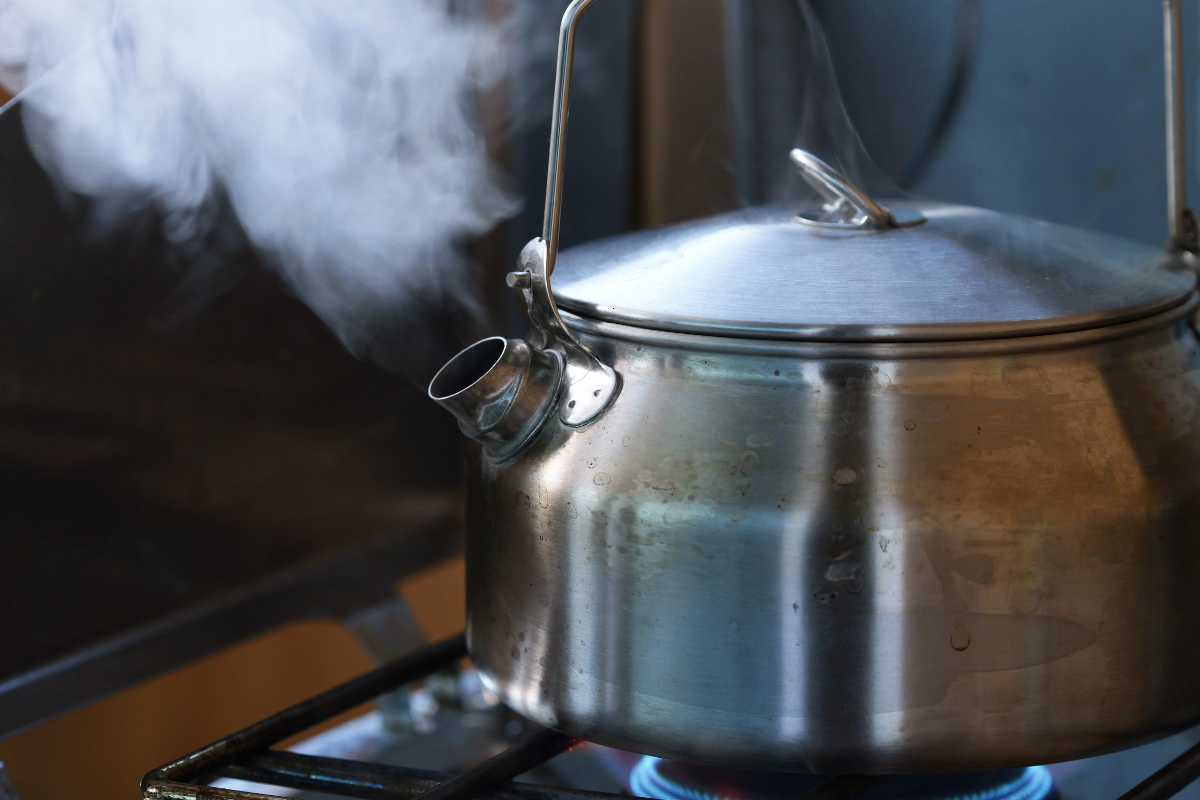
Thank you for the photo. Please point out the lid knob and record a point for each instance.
(845, 205)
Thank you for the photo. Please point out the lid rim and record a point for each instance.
(966, 274)
(885, 349)
(931, 332)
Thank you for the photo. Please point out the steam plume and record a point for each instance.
(340, 133)
(825, 124)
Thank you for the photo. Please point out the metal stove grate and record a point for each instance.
(250, 755)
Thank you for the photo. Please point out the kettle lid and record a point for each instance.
(966, 273)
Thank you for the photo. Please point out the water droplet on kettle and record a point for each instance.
(960, 637)
(845, 476)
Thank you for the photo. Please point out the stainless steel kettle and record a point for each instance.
(914, 489)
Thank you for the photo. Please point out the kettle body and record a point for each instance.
(855, 558)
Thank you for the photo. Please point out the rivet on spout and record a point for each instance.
(519, 280)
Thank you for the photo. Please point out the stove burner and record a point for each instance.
(672, 780)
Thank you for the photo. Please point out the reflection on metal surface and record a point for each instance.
(500, 391)
(782, 559)
(967, 273)
(590, 384)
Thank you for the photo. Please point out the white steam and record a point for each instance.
(342, 134)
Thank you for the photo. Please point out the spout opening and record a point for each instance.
(467, 368)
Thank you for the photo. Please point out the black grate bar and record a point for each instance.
(533, 749)
(294, 720)
(343, 778)
(170, 790)
(377, 781)
(1169, 780)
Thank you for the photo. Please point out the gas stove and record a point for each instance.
(438, 733)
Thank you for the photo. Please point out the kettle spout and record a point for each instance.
(500, 391)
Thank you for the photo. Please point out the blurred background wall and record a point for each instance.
(101, 752)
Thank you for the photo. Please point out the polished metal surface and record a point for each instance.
(556, 168)
(966, 273)
(1181, 220)
(855, 564)
(500, 391)
(591, 385)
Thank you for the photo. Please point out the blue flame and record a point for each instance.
(1031, 783)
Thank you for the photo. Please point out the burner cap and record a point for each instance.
(672, 780)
